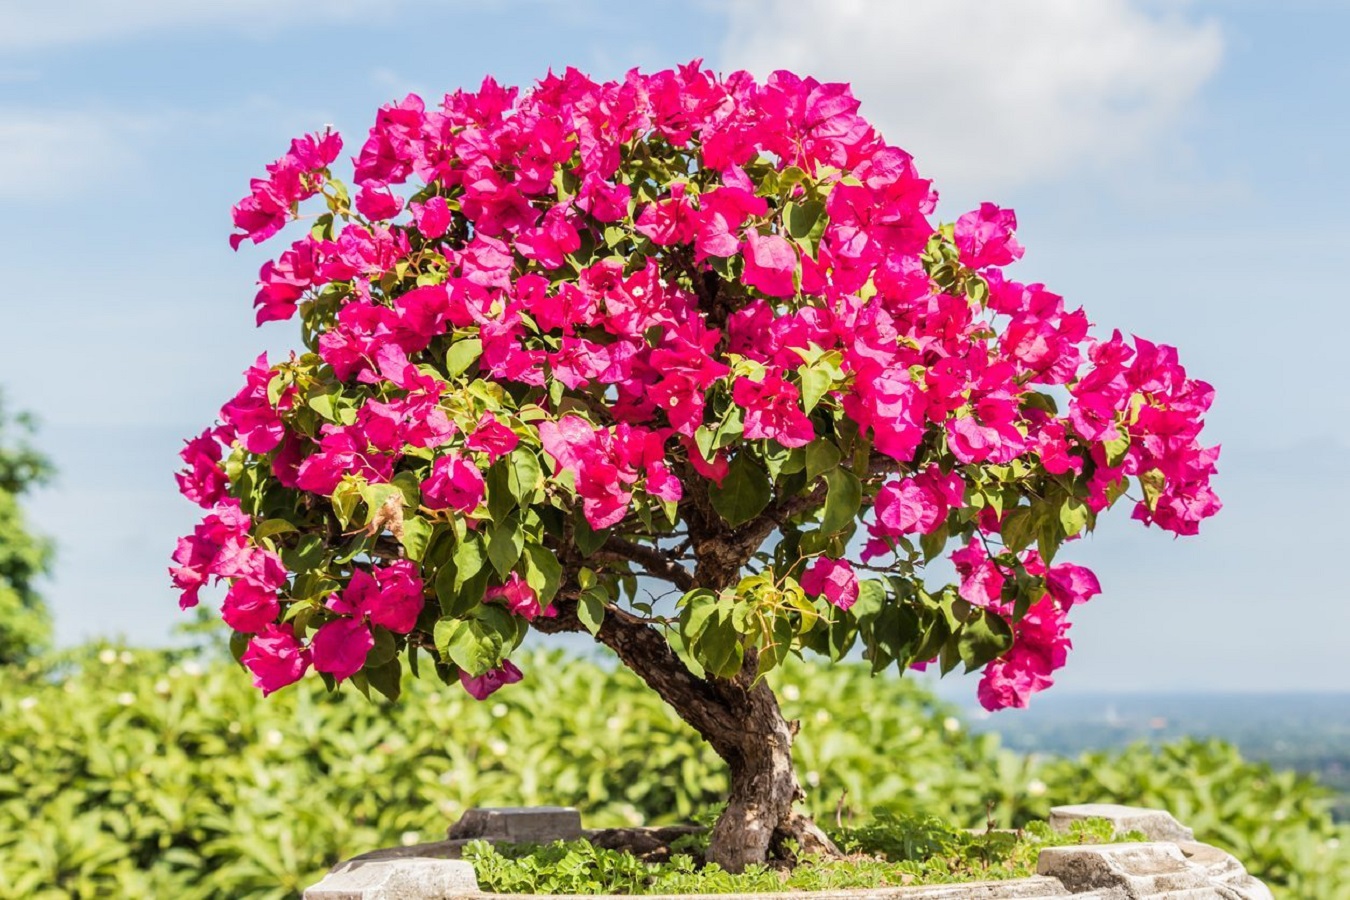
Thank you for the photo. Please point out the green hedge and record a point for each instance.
(135, 773)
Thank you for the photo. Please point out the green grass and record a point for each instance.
(890, 851)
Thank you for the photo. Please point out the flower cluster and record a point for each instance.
(600, 314)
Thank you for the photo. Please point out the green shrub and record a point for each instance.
(132, 773)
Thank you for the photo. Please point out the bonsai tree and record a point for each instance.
(683, 362)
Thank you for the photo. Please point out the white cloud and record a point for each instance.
(991, 93)
(54, 153)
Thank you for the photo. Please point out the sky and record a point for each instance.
(1177, 169)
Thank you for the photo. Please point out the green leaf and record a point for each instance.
(1152, 483)
(933, 542)
(1116, 449)
(468, 559)
(983, 639)
(272, 527)
(1018, 529)
(543, 572)
(588, 540)
(506, 542)
(843, 499)
(1073, 516)
(345, 497)
(384, 649)
(591, 609)
(744, 492)
(309, 553)
(416, 536)
(500, 497)
(462, 354)
(816, 380)
(822, 455)
(479, 643)
(386, 678)
(527, 477)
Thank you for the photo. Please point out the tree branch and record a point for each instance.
(654, 562)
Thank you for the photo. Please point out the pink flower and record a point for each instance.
(391, 596)
(772, 411)
(1040, 646)
(376, 202)
(454, 483)
(432, 218)
(250, 417)
(292, 178)
(203, 481)
(520, 598)
(918, 504)
(834, 578)
(492, 437)
(482, 686)
(248, 608)
(275, 658)
(984, 237)
(669, 221)
(770, 263)
(340, 647)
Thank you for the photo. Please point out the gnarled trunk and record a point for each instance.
(742, 722)
(759, 814)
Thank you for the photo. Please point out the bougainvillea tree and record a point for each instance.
(682, 361)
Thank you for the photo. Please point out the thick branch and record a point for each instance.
(654, 562)
(704, 704)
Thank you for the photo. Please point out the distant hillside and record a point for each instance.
(1307, 732)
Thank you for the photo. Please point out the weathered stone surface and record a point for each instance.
(518, 824)
(1156, 824)
(1225, 873)
(1154, 870)
(414, 878)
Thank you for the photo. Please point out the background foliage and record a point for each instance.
(25, 626)
(164, 774)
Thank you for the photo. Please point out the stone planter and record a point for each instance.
(1171, 866)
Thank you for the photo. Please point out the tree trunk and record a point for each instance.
(742, 722)
(759, 814)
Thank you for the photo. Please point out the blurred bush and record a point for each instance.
(134, 773)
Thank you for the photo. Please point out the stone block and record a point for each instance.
(1156, 824)
(1137, 871)
(411, 878)
(518, 824)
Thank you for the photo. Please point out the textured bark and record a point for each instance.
(742, 723)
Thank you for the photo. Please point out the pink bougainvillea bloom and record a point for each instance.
(981, 579)
(391, 596)
(203, 481)
(250, 417)
(520, 598)
(490, 436)
(454, 483)
(1071, 584)
(833, 578)
(275, 658)
(249, 608)
(984, 237)
(773, 411)
(770, 264)
(432, 218)
(918, 504)
(483, 686)
(340, 647)
(376, 202)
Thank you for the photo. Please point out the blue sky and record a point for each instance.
(1177, 168)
